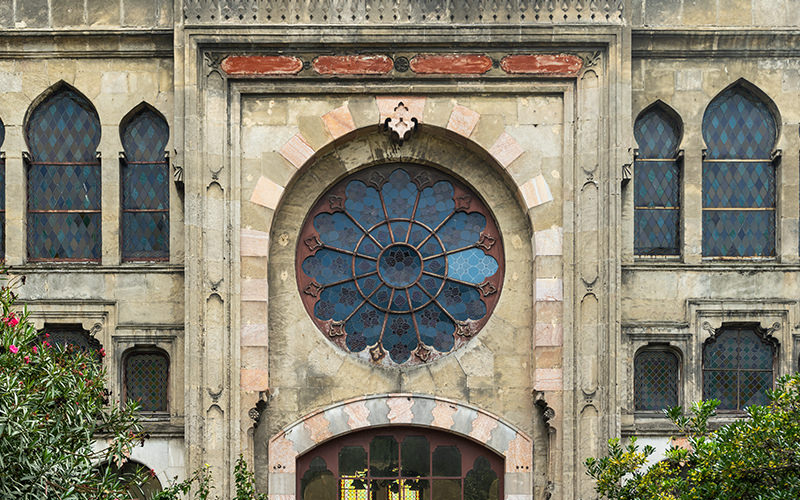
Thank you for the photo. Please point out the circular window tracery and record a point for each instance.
(402, 260)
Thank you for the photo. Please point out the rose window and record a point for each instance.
(400, 260)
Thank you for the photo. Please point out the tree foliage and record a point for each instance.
(754, 458)
(57, 429)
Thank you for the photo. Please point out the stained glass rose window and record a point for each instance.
(400, 263)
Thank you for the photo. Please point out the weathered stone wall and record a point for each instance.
(23, 14)
(742, 13)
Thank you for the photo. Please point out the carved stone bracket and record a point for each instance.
(258, 410)
(400, 123)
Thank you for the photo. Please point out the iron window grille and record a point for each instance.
(656, 379)
(146, 379)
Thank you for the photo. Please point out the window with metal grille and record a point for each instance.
(400, 464)
(655, 380)
(71, 336)
(738, 366)
(740, 132)
(2, 193)
(145, 185)
(657, 182)
(146, 376)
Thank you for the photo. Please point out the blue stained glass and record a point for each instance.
(145, 186)
(435, 204)
(737, 368)
(737, 124)
(462, 230)
(64, 127)
(461, 301)
(144, 136)
(399, 194)
(657, 133)
(64, 187)
(753, 353)
(328, 266)
(656, 232)
(471, 265)
(364, 204)
(658, 184)
(63, 235)
(338, 302)
(738, 185)
(146, 235)
(396, 302)
(736, 233)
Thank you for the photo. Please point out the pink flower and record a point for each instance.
(35, 349)
(14, 349)
(102, 353)
(27, 359)
(11, 320)
(46, 343)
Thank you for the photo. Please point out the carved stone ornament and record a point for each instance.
(400, 123)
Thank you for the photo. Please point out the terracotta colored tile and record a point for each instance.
(506, 149)
(482, 427)
(254, 290)
(339, 121)
(261, 65)
(536, 192)
(297, 151)
(400, 410)
(519, 455)
(318, 427)
(451, 64)
(357, 414)
(542, 64)
(443, 415)
(254, 379)
(547, 379)
(353, 65)
(282, 455)
(253, 243)
(463, 120)
(266, 193)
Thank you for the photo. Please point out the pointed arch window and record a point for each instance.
(738, 363)
(145, 185)
(740, 133)
(657, 182)
(2, 193)
(63, 175)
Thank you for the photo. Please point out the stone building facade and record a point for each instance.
(629, 237)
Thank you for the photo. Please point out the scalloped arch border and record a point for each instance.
(400, 409)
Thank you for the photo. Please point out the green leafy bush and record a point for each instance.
(754, 458)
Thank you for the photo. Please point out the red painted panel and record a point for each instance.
(353, 65)
(542, 64)
(261, 65)
(451, 64)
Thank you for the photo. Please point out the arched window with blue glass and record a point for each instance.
(2, 192)
(63, 172)
(400, 263)
(657, 182)
(740, 129)
(145, 185)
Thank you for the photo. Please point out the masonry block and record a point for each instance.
(463, 120)
(266, 193)
(339, 121)
(506, 149)
(254, 379)
(297, 150)
(536, 192)
(548, 379)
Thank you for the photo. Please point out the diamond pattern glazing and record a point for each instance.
(146, 377)
(657, 184)
(145, 187)
(737, 368)
(400, 263)
(63, 132)
(655, 380)
(739, 125)
(736, 233)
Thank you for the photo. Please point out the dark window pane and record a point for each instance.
(416, 455)
(446, 461)
(146, 235)
(146, 379)
(2, 132)
(145, 186)
(721, 385)
(481, 482)
(658, 184)
(64, 127)
(737, 233)
(64, 187)
(738, 185)
(145, 136)
(655, 380)
(656, 133)
(446, 489)
(64, 236)
(754, 354)
(737, 124)
(754, 387)
(722, 351)
(657, 232)
(318, 483)
(352, 461)
(383, 456)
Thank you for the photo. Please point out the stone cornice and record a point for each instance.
(649, 43)
(101, 43)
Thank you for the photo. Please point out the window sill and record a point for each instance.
(82, 267)
(712, 265)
